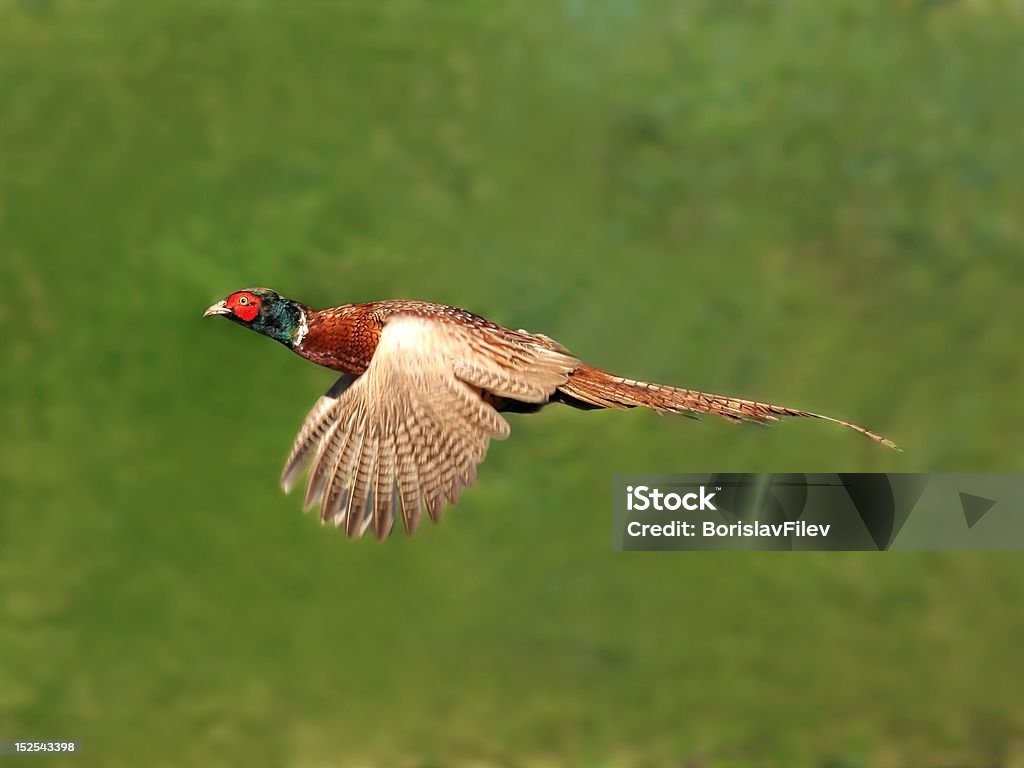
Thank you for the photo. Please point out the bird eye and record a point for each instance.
(243, 300)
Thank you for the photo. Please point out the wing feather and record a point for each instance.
(339, 472)
(357, 516)
(408, 478)
(410, 431)
(314, 427)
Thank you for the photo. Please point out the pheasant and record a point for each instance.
(420, 396)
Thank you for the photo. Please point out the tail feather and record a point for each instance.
(599, 389)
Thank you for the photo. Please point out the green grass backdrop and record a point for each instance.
(813, 202)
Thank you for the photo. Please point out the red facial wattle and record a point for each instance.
(244, 305)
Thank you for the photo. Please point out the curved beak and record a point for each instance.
(220, 308)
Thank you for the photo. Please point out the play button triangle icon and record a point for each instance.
(975, 507)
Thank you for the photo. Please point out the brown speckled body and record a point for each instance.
(345, 338)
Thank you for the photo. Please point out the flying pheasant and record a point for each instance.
(421, 394)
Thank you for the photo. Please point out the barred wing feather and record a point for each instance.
(410, 431)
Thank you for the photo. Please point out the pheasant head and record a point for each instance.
(264, 311)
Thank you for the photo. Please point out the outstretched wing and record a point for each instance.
(410, 431)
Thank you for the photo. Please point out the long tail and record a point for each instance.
(594, 388)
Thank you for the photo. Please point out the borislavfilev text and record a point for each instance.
(642, 498)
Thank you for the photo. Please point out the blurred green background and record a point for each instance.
(817, 203)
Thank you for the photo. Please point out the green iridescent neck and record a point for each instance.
(282, 320)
